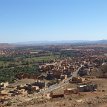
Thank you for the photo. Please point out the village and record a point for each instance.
(57, 75)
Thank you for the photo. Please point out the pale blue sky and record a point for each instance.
(39, 20)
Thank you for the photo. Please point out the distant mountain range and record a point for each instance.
(62, 42)
(35, 43)
(102, 42)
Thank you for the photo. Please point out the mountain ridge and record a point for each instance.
(35, 43)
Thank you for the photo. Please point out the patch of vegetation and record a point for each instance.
(23, 63)
(70, 53)
(8, 74)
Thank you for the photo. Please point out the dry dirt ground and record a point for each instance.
(84, 99)
(23, 82)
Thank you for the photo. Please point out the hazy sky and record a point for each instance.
(39, 20)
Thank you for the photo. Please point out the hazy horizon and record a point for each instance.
(52, 20)
(57, 41)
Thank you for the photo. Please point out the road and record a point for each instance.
(61, 84)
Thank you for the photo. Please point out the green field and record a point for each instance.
(42, 58)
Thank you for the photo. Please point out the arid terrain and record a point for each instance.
(83, 99)
(54, 76)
